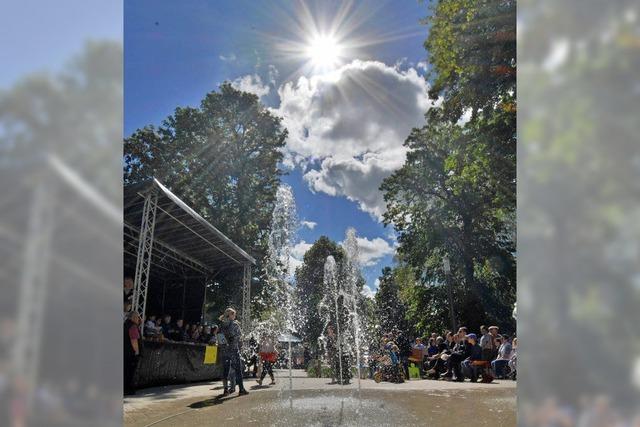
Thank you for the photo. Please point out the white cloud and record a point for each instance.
(372, 251)
(273, 75)
(368, 292)
(371, 292)
(358, 179)
(422, 65)
(251, 83)
(293, 265)
(300, 249)
(349, 125)
(401, 62)
(465, 117)
(228, 58)
(297, 254)
(308, 224)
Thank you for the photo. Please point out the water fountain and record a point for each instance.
(330, 310)
(277, 295)
(352, 295)
(338, 308)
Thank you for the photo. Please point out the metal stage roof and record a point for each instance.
(181, 235)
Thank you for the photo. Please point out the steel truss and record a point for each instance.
(33, 287)
(166, 251)
(145, 249)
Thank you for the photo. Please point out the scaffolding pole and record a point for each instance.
(33, 288)
(246, 297)
(145, 247)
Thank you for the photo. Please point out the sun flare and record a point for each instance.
(324, 52)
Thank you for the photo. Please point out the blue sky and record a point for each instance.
(348, 111)
(41, 36)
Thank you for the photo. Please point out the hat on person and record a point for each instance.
(493, 327)
(472, 336)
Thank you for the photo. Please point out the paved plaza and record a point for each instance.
(316, 402)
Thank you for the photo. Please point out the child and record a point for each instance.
(396, 369)
(268, 355)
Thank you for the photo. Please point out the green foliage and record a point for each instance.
(456, 192)
(312, 370)
(578, 203)
(222, 158)
(472, 49)
(309, 286)
(390, 309)
(74, 114)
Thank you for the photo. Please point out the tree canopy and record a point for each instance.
(222, 158)
(309, 285)
(455, 194)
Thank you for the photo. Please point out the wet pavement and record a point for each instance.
(315, 402)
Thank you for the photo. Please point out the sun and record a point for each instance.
(324, 52)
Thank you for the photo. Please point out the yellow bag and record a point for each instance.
(211, 355)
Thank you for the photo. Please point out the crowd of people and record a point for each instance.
(451, 356)
(160, 328)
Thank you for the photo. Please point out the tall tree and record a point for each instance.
(455, 193)
(222, 158)
(309, 285)
(389, 308)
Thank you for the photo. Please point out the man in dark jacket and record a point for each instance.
(404, 345)
(473, 353)
(458, 354)
(233, 334)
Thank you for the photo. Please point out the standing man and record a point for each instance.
(131, 350)
(233, 334)
(486, 343)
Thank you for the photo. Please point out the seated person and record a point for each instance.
(473, 351)
(433, 348)
(150, 329)
(395, 370)
(504, 355)
(513, 363)
(194, 332)
(167, 326)
(417, 352)
(434, 364)
(458, 354)
(418, 344)
(207, 337)
(178, 333)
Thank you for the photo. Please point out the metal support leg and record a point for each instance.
(145, 246)
(204, 302)
(246, 297)
(33, 289)
(184, 297)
